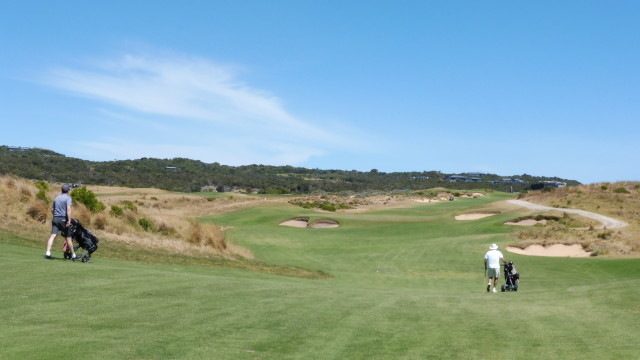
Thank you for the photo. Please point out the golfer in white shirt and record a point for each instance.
(492, 264)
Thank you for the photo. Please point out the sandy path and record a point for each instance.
(609, 223)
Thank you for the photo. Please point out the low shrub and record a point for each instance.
(165, 228)
(42, 187)
(116, 211)
(100, 222)
(88, 198)
(605, 235)
(145, 224)
(81, 213)
(128, 205)
(39, 211)
(206, 235)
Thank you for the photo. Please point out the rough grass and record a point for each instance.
(619, 200)
(136, 225)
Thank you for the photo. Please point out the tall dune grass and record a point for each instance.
(165, 227)
(619, 200)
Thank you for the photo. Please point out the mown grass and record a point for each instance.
(405, 284)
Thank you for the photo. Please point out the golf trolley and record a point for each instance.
(85, 240)
(511, 278)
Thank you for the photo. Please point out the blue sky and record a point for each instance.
(546, 88)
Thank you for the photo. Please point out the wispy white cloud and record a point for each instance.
(181, 106)
(230, 152)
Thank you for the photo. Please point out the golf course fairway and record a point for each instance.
(403, 283)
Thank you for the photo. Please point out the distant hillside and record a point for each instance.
(180, 174)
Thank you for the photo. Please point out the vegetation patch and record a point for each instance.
(186, 175)
(124, 224)
(324, 202)
(619, 200)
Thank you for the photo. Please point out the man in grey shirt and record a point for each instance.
(61, 223)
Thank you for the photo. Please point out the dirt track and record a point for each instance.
(607, 222)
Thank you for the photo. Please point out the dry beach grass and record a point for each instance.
(148, 218)
(619, 200)
(158, 219)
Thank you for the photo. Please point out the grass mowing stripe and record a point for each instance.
(423, 302)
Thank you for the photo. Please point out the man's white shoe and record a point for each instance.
(494, 290)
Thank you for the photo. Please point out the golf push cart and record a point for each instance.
(511, 278)
(85, 239)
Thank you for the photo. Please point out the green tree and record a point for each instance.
(88, 198)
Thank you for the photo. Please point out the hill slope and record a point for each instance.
(619, 200)
(181, 174)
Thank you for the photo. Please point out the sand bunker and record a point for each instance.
(324, 224)
(299, 223)
(304, 223)
(475, 216)
(472, 195)
(527, 222)
(556, 250)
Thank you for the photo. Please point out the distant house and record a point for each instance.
(418, 178)
(457, 178)
(513, 181)
(548, 184)
(555, 184)
(18, 148)
(209, 188)
(173, 168)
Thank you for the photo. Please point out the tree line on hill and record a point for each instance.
(181, 174)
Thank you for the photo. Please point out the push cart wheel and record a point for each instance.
(502, 288)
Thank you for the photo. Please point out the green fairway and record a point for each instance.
(404, 284)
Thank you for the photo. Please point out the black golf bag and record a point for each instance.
(511, 278)
(85, 240)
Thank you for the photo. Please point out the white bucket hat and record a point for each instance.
(493, 247)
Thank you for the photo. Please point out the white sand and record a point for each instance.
(475, 216)
(324, 225)
(295, 223)
(556, 250)
(302, 223)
